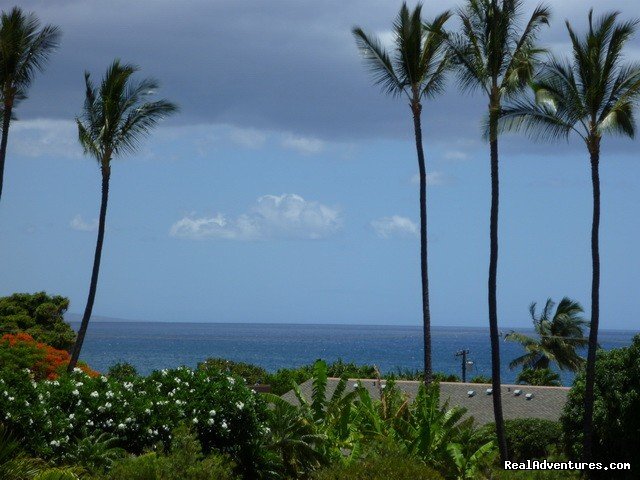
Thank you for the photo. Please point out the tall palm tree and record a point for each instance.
(416, 68)
(24, 50)
(558, 337)
(115, 118)
(591, 95)
(498, 57)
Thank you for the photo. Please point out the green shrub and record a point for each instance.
(539, 376)
(122, 371)
(499, 474)
(38, 314)
(531, 438)
(251, 374)
(139, 413)
(616, 423)
(185, 461)
(382, 467)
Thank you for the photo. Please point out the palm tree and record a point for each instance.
(591, 95)
(114, 120)
(494, 55)
(558, 337)
(24, 50)
(417, 70)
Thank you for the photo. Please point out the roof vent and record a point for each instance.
(471, 393)
(355, 385)
(489, 391)
(529, 396)
(517, 392)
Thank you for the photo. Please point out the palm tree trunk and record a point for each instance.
(426, 314)
(595, 305)
(106, 173)
(493, 306)
(6, 120)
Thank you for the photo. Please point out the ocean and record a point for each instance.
(155, 345)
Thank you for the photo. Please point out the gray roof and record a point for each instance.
(545, 402)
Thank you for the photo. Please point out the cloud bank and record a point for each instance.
(286, 216)
(394, 227)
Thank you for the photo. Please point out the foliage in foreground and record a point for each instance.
(21, 351)
(139, 414)
(38, 314)
(531, 438)
(617, 403)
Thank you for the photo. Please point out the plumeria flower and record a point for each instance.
(211, 421)
(239, 405)
(109, 394)
(195, 420)
(75, 392)
(121, 426)
(94, 394)
(212, 412)
(224, 425)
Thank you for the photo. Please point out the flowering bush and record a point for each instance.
(18, 351)
(140, 413)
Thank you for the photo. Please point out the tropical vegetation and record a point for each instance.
(416, 70)
(498, 55)
(38, 314)
(615, 415)
(25, 48)
(116, 117)
(591, 95)
(558, 338)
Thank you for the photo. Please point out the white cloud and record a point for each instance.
(394, 226)
(305, 145)
(248, 137)
(455, 155)
(78, 223)
(40, 137)
(272, 216)
(433, 179)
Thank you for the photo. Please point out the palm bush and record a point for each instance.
(558, 337)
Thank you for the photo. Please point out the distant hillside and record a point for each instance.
(77, 318)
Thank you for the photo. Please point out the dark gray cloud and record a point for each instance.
(284, 65)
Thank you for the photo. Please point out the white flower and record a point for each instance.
(109, 394)
(11, 399)
(128, 420)
(77, 370)
(147, 411)
(121, 426)
(104, 379)
(94, 394)
(231, 380)
(72, 416)
(107, 405)
(26, 404)
(128, 385)
(210, 421)
(79, 384)
(212, 412)
(90, 423)
(239, 405)
(75, 392)
(195, 420)
(224, 425)
(54, 443)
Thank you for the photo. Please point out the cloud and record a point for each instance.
(456, 155)
(394, 226)
(433, 179)
(78, 223)
(45, 137)
(272, 216)
(248, 137)
(304, 145)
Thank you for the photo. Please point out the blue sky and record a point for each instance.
(285, 189)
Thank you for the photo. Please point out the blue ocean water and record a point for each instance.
(155, 345)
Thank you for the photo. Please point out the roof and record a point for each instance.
(544, 402)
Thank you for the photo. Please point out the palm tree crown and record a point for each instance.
(418, 63)
(24, 50)
(590, 95)
(115, 115)
(558, 337)
(491, 52)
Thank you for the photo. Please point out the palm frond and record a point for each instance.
(378, 62)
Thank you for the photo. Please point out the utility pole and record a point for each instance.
(463, 353)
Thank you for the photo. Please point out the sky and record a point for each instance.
(285, 189)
